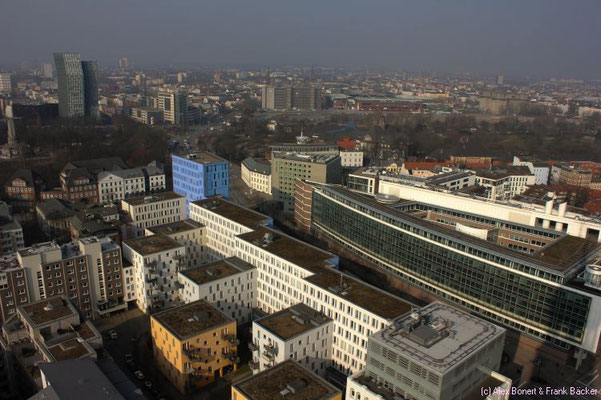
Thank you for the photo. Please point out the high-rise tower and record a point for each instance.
(77, 85)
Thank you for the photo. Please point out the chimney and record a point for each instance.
(562, 208)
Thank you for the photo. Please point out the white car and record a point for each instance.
(139, 374)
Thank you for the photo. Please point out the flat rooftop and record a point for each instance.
(202, 158)
(70, 349)
(152, 244)
(287, 377)
(176, 227)
(191, 319)
(366, 296)
(426, 336)
(153, 198)
(78, 379)
(302, 157)
(44, 311)
(288, 248)
(232, 211)
(39, 248)
(293, 321)
(216, 270)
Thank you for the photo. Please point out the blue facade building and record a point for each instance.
(200, 175)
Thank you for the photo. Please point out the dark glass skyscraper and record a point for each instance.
(90, 88)
(77, 85)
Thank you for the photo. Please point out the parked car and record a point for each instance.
(148, 384)
(113, 334)
(139, 374)
(129, 358)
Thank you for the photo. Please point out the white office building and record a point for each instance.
(438, 353)
(545, 214)
(224, 220)
(291, 272)
(189, 233)
(256, 174)
(147, 211)
(297, 332)
(156, 260)
(229, 284)
(539, 169)
(351, 159)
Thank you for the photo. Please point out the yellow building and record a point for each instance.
(193, 344)
(286, 380)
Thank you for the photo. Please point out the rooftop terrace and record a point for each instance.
(152, 244)
(191, 319)
(234, 212)
(216, 270)
(293, 321)
(286, 380)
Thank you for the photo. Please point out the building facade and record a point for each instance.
(201, 175)
(298, 333)
(229, 284)
(256, 174)
(418, 357)
(192, 343)
(451, 264)
(77, 85)
(155, 261)
(6, 86)
(189, 233)
(287, 167)
(351, 159)
(152, 210)
(290, 272)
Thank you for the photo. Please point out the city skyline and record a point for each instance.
(548, 38)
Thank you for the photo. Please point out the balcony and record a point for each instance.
(252, 346)
(231, 339)
(268, 356)
(254, 365)
(271, 349)
(198, 354)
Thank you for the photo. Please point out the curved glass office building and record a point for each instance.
(523, 277)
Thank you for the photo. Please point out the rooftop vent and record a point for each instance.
(199, 316)
(294, 387)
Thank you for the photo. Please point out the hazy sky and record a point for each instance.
(514, 37)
